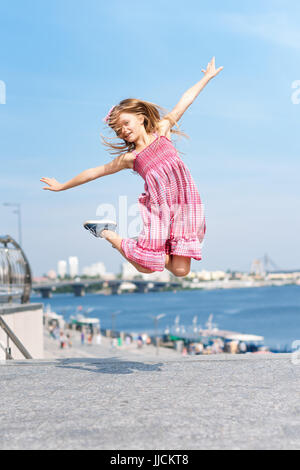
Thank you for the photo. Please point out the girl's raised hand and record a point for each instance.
(211, 71)
(53, 184)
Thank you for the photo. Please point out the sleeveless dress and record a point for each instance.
(171, 208)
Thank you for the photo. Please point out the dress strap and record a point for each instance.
(153, 133)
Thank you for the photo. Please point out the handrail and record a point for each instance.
(14, 339)
(6, 350)
(15, 272)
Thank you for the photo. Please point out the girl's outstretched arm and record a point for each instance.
(191, 94)
(119, 163)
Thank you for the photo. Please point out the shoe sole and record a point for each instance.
(97, 226)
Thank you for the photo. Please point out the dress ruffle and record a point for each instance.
(191, 248)
(147, 258)
(155, 259)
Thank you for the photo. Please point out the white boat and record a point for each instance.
(80, 319)
(212, 331)
(50, 316)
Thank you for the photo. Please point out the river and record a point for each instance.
(272, 312)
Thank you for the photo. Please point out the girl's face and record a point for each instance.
(129, 126)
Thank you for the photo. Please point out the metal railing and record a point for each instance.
(15, 273)
(15, 286)
(10, 335)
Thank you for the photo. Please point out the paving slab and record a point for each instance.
(124, 402)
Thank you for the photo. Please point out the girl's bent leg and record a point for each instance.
(181, 265)
(168, 264)
(116, 242)
(146, 252)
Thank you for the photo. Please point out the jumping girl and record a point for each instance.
(171, 208)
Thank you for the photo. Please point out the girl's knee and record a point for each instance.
(181, 272)
(181, 266)
(145, 270)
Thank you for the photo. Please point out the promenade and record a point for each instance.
(137, 400)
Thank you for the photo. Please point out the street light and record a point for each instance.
(156, 318)
(18, 211)
(195, 319)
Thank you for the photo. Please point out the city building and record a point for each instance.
(109, 276)
(62, 268)
(94, 270)
(128, 271)
(161, 276)
(51, 274)
(292, 276)
(73, 266)
(211, 275)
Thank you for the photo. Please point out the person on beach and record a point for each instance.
(82, 338)
(62, 339)
(173, 217)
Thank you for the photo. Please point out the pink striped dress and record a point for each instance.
(171, 208)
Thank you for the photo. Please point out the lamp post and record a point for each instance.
(156, 318)
(195, 319)
(18, 211)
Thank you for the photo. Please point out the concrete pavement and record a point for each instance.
(125, 401)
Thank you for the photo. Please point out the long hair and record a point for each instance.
(152, 113)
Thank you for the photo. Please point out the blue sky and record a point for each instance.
(66, 62)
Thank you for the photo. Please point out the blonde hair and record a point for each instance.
(152, 115)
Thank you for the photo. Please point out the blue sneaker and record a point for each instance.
(96, 226)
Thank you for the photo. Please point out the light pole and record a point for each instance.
(156, 318)
(195, 319)
(18, 211)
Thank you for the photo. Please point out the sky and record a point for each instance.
(65, 63)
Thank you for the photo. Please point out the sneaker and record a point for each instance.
(96, 226)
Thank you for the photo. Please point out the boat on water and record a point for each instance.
(81, 320)
(230, 340)
(212, 330)
(51, 318)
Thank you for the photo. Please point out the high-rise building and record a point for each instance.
(96, 269)
(62, 268)
(160, 276)
(73, 266)
(128, 271)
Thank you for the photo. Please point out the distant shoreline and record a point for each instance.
(206, 285)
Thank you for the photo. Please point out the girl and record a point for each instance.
(171, 208)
